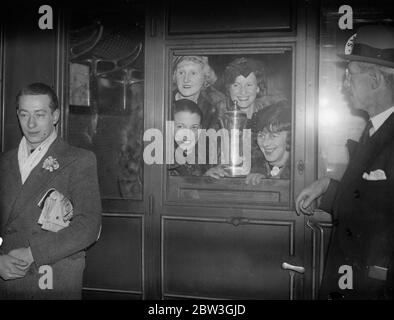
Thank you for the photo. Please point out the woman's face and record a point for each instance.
(186, 129)
(273, 146)
(189, 79)
(244, 90)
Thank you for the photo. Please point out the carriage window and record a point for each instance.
(231, 119)
(230, 94)
(106, 96)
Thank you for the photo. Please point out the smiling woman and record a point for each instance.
(250, 87)
(245, 81)
(193, 78)
(272, 131)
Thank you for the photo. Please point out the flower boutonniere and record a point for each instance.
(275, 171)
(50, 164)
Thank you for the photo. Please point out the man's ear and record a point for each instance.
(376, 79)
(56, 115)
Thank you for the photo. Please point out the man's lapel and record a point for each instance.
(366, 154)
(39, 177)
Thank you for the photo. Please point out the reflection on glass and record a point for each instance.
(337, 123)
(79, 84)
(110, 121)
(243, 80)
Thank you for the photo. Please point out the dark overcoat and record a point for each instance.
(64, 251)
(363, 217)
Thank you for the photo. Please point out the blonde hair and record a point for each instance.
(209, 74)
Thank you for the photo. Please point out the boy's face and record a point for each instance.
(273, 145)
(186, 129)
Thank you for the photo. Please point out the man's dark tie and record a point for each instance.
(365, 135)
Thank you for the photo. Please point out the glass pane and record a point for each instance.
(337, 122)
(234, 92)
(231, 95)
(106, 96)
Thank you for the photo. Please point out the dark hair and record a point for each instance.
(37, 89)
(275, 118)
(243, 67)
(188, 106)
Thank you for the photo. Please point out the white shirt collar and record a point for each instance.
(28, 161)
(380, 118)
(43, 145)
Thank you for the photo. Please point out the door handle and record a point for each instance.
(287, 266)
(292, 270)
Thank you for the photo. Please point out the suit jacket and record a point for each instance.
(363, 216)
(64, 251)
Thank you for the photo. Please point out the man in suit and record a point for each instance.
(43, 161)
(362, 203)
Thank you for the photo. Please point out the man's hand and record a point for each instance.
(23, 254)
(216, 172)
(310, 194)
(12, 268)
(254, 178)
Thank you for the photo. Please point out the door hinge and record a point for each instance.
(150, 204)
(153, 26)
(300, 167)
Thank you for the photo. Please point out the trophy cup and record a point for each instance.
(237, 147)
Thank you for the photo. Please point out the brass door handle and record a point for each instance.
(287, 266)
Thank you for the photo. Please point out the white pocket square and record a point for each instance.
(375, 175)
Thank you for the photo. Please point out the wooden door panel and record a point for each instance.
(105, 113)
(218, 18)
(29, 55)
(114, 263)
(320, 228)
(227, 191)
(109, 295)
(212, 258)
(205, 252)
